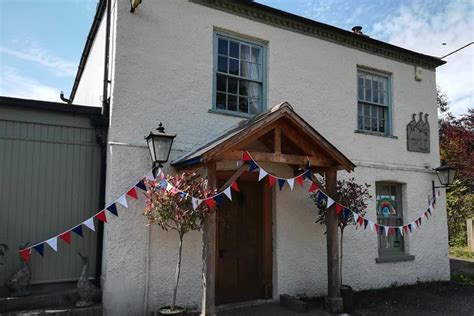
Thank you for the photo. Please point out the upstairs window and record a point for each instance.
(373, 108)
(239, 76)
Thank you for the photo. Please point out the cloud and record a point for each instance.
(33, 52)
(13, 84)
(422, 27)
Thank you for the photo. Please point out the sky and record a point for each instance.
(41, 41)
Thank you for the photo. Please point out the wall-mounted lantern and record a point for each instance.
(159, 145)
(134, 4)
(445, 176)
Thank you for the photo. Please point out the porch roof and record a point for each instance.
(225, 145)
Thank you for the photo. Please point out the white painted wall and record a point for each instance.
(89, 90)
(163, 73)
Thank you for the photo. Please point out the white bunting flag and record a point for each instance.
(228, 192)
(413, 226)
(53, 243)
(90, 223)
(168, 187)
(150, 176)
(400, 228)
(123, 201)
(291, 182)
(386, 229)
(356, 217)
(371, 225)
(261, 174)
(195, 202)
(330, 202)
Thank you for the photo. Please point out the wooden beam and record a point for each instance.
(209, 252)
(333, 300)
(235, 176)
(277, 144)
(277, 158)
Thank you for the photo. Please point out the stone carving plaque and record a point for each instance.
(418, 134)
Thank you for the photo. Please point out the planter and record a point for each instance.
(178, 311)
(346, 294)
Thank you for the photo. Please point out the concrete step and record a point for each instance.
(95, 310)
(43, 297)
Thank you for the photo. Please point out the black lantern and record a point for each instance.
(160, 146)
(445, 176)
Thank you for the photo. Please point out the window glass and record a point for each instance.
(373, 102)
(239, 76)
(389, 213)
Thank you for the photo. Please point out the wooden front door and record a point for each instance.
(243, 238)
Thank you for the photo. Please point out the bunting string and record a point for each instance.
(66, 236)
(218, 198)
(359, 220)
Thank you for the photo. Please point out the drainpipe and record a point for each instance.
(102, 140)
(105, 94)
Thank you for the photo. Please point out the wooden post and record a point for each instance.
(209, 252)
(334, 303)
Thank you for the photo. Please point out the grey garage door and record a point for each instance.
(49, 182)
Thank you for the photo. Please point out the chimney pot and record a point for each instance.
(357, 29)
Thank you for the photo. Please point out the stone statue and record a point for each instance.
(88, 293)
(17, 283)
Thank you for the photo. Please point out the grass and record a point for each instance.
(460, 252)
(466, 279)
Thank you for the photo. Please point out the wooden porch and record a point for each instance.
(279, 136)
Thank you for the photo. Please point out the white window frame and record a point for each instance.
(388, 107)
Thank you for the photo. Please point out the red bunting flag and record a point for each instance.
(314, 187)
(132, 193)
(360, 220)
(235, 186)
(300, 180)
(339, 208)
(426, 214)
(405, 229)
(101, 216)
(66, 236)
(391, 231)
(25, 254)
(209, 202)
(376, 226)
(246, 157)
(271, 180)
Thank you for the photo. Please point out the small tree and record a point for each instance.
(173, 210)
(353, 196)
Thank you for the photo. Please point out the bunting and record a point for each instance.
(218, 199)
(89, 223)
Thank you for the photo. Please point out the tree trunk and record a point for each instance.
(178, 271)
(340, 258)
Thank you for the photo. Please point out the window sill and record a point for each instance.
(358, 131)
(230, 113)
(395, 258)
